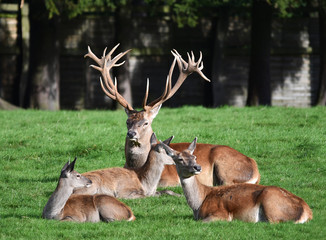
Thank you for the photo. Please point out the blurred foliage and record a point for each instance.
(73, 8)
(184, 12)
(187, 12)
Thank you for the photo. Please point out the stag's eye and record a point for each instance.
(78, 176)
(145, 124)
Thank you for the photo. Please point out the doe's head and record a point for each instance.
(72, 177)
(185, 161)
(158, 150)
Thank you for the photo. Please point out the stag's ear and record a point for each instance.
(192, 145)
(127, 112)
(153, 139)
(154, 111)
(168, 141)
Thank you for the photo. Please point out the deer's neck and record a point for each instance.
(57, 201)
(150, 174)
(136, 153)
(195, 193)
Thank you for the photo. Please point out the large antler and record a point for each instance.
(104, 65)
(185, 68)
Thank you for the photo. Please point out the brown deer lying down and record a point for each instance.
(220, 164)
(246, 202)
(130, 183)
(82, 208)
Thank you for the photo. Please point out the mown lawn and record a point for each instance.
(288, 144)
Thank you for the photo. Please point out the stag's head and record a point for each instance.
(139, 122)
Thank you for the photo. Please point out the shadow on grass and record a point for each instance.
(21, 216)
(37, 180)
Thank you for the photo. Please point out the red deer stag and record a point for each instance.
(131, 183)
(220, 164)
(64, 206)
(246, 202)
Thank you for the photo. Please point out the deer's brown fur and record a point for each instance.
(64, 206)
(246, 202)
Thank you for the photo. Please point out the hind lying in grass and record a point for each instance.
(246, 202)
(82, 208)
(131, 183)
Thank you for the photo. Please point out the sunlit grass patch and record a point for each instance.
(287, 143)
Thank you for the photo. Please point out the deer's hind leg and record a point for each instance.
(213, 212)
(279, 205)
(111, 209)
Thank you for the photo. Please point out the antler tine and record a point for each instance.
(105, 71)
(112, 89)
(108, 57)
(146, 94)
(105, 64)
(112, 63)
(106, 91)
(107, 78)
(176, 54)
(104, 52)
(119, 98)
(190, 60)
(91, 55)
(167, 90)
(185, 68)
(199, 60)
(193, 66)
(192, 56)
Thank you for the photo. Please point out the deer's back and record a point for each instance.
(117, 182)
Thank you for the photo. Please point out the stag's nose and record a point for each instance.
(131, 134)
(197, 168)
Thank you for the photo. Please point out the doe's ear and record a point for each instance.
(71, 166)
(169, 151)
(153, 139)
(168, 141)
(65, 166)
(192, 145)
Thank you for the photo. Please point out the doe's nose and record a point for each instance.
(197, 168)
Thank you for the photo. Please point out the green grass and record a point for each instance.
(287, 143)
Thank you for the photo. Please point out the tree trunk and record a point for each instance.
(259, 89)
(123, 26)
(321, 92)
(44, 72)
(221, 24)
(24, 52)
(19, 63)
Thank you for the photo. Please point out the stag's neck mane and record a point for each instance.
(150, 174)
(136, 154)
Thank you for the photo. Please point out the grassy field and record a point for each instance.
(287, 143)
